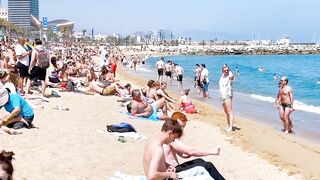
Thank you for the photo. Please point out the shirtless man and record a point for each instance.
(154, 163)
(169, 68)
(179, 71)
(141, 108)
(160, 68)
(177, 147)
(285, 104)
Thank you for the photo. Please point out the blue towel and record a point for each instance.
(141, 118)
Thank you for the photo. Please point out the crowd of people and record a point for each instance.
(34, 69)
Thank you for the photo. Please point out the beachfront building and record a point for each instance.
(24, 13)
(4, 13)
(283, 41)
(100, 37)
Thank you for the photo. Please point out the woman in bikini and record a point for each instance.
(162, 93)
(186, 104)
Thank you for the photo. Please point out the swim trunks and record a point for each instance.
(154, 116)
(179, 77)
(168, 73)
(160, 71)
(205, 87)
(284, 105)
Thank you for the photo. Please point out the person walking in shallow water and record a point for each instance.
(226, 94)
(285, 104)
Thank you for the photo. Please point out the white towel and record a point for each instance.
(121, 176)
(134, 135)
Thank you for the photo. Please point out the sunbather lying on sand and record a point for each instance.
(141, 108)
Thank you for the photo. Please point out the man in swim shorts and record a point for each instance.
(169, 68)
(160, 68)
(179, 71)
(141, 108)
(285, 104)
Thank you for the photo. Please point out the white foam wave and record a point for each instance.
(142, 69)
(263, 98)
(297, 104)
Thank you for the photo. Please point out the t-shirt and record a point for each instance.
(205, 75)
(19, 51)
(225, 85)
(15, 101)
(160, 64)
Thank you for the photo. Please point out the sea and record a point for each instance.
(255, 90)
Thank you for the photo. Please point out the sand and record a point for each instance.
(68, 146)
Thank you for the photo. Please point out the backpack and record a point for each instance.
(69, 86)
(43, 59)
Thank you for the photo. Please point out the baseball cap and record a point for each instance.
(4, 96)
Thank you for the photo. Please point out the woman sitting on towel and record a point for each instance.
(162, 93)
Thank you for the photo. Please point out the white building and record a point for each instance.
(100, 37)
(284, 41)
(4, 13)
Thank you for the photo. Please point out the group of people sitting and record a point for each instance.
(75, 70)
(153, 102)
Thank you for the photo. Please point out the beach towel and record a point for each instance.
(121, 176)
(135, 117)
(133, 135)
(121, 128)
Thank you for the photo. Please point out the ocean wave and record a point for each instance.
(263, 98)
(142, 69)
(297, 104)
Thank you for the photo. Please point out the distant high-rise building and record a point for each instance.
(20, 12)
(4, 13)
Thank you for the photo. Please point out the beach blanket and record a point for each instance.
(133, 135)
(121, 176)
(140, 118)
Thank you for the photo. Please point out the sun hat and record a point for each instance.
(4, 96)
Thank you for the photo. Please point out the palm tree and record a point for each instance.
(84, 32)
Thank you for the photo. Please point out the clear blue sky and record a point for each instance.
(241, 19)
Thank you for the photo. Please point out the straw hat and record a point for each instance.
(4, 96)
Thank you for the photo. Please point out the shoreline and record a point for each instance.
(257, 138)
(73, 139)
(247, 106)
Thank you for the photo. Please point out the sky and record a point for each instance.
(207, 19)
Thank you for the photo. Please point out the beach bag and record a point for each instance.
(43, 59)
(70, 86)
(121, 128)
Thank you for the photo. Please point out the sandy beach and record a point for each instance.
(66, 144)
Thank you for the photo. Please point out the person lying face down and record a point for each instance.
(141, 108)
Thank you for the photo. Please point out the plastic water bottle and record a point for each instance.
(122, 139)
